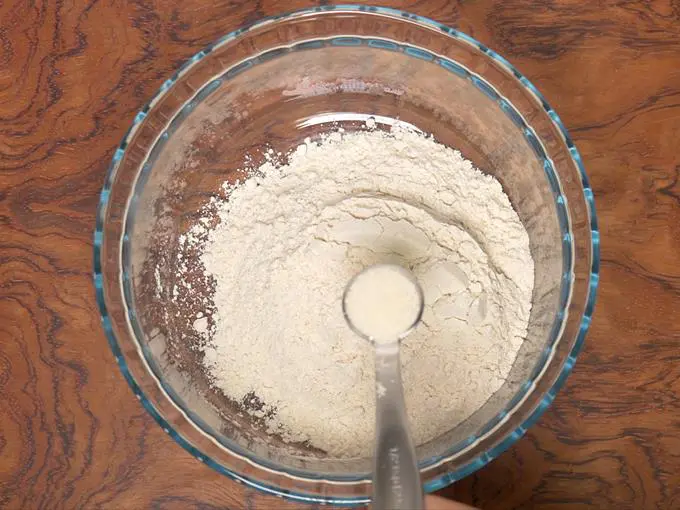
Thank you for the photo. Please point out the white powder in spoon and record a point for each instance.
(382, 303)
(290, 239)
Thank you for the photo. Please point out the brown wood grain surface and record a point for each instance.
(73, 74)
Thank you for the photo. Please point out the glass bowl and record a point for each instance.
(271, 85)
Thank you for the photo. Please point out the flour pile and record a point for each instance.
(291, 237)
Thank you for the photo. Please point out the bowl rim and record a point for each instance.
(441, 480)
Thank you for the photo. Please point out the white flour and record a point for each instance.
(382, 303)
(290, 239)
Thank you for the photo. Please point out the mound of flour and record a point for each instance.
(291, 237)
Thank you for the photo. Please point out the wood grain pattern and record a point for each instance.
(73, 73)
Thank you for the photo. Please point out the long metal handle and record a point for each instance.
(396, 479)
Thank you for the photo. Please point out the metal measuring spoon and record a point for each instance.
(396, 478)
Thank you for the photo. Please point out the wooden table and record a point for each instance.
(73, 74)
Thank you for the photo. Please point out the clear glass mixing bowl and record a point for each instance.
(273, 84)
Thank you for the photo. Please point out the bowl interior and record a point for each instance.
(274, 101)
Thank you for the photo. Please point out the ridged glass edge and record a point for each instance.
(442, 480)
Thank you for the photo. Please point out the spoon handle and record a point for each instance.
(396, 479)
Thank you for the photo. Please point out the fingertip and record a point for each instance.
(433, 502)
